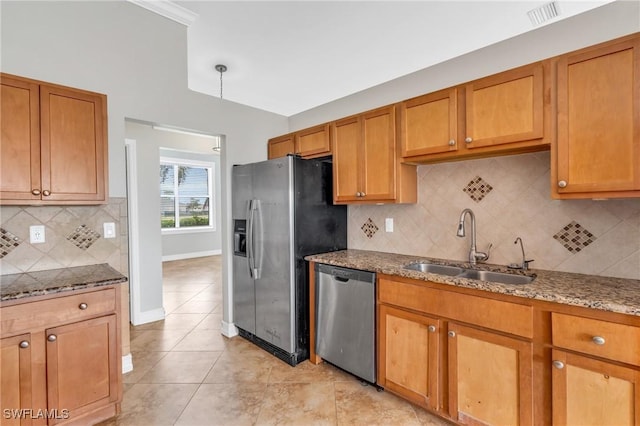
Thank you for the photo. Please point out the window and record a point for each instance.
(186, 195)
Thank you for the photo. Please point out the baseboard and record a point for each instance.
(127, 363)
(193, 255)
(228, 329)
(150, 316)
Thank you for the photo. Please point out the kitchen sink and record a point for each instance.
(474, 274)
(436, 269)
(496, 277)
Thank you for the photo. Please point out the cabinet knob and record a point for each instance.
(558, 364)
(562, 183)
(452, 334)
(452, 142)
(362, 194)
(35, 191)
(24, 344)
(46, 192)
(358, 194)
(598, 340)
(468, 139)
(432, 328)
(83, 306)
(52, 338)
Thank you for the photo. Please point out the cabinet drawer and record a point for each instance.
(59, 310)
(605, 339)
(497, 315)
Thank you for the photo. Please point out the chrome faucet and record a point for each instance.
(474, 255)
(525, 263)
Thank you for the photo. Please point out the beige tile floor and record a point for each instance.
(187, 373)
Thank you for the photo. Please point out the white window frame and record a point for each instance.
(212, 217)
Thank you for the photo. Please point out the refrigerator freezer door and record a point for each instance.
(273, 237)
(244, 302)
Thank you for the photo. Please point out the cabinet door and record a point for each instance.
(347, 136)
(428, 124)
(314, 142)
(82, 365)
(15, 372)
(490, 378)
(505, 108)
(379, 155)
(591, 392)
(20, 143)
(73, 143)
(281, 146)
(598, 147)
(408, 355)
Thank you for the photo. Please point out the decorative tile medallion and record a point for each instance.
(83, 237)
(369, 228)
(574, 237)
(477, 189)
(8, 242)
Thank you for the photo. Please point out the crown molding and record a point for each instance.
(168, 9)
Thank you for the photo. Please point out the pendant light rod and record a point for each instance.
(221, 68)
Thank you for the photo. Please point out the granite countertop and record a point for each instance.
(591, 291)
(28, 284)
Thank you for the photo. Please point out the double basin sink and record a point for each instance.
(474, 274)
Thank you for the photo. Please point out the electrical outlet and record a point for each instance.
(109, 229)
(36, 234)
(388, 224)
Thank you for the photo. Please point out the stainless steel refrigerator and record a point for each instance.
(282, 211)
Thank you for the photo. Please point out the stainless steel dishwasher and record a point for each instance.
(345, 319)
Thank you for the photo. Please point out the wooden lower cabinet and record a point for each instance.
(587, 391)
(61, 359)
(490, 377)
(410, 373)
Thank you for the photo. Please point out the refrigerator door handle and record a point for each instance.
(257, 249)
(250, 237)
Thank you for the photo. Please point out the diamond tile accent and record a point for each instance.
(477, 189)
(574, 237)
(83, 237)
(8, 242)
(369, 228)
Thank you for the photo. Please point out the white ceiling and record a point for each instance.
(290, 56)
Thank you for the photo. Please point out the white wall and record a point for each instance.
(601, 24)
(139, 60)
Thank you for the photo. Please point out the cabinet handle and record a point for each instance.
(452, 334)
(598, 340)
(24, 344)
(46, 192)
(562, 183)
(362, 194)
(558, 364)
(52, 338)
(35, 191)
(432, 328)
(452, 142)
(358, 194)
(468, 139)
(83, 306)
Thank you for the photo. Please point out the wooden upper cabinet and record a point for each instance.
(54, 144)
(428, 124)
(504, 113)
(505, 108)
(366, 161)
(314, 142)
(281, 146)
(308, 143)
(20, 144)
(597, 154)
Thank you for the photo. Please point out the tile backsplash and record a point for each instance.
(510, 197)
(73, 237)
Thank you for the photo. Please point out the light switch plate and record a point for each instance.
(109, 229)
(36, 234)
(388, 224)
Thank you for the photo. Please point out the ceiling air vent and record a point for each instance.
(543, 13)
